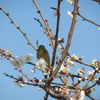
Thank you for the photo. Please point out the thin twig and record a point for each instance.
(79, 61)
(78, 13)
(39, 22)
(46, 24)
(17, 27)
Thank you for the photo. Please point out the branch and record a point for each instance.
(68, 41)
(79, 61)
(57, 31)
(45, 22)
(88, 81)
(56, 95)
(17, 27)
(90, 97)
(78, 13)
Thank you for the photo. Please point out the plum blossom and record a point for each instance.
(80, 71)
(19, 82)
(94, 61)
(33, 70)
(28, 57)
(95, 77)
(74, 56)
(82, 95)
(20, 61)
(39, 89)
(7, 52)
(41, 64)
(17, 61)
(70, 14)
(70, 62)
(64, 69)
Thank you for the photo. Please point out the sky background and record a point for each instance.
(85, 41)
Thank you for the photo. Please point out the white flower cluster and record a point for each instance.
(70, 62)
(41, 64)
(20, 61)
(6, 52)
(96, 63)
(19, 82)
(82, 95)
(63, 70)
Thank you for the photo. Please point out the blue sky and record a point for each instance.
(85, 41)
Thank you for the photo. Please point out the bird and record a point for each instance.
(43, 53)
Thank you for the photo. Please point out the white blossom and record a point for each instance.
(74, 56)
(39, 89)
(40, 81)
(95, 77)
(94, 62)
(45, 73)
(90, 72)
(70, 62)
(80, 71)
(62, 71)
(64, 68)
(82, 94)
(28, 57)
(33, 70)
(71, 2)
(17, 62)
(70, 14)
(19, 83)
(7, 52)
(41, 64)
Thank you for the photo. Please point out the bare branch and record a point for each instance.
(78, 13)
(57, 31)
(46, 24)
(68, 41)
(18, 27)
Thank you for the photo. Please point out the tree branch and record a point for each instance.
(45, 22)
(57, 31)
(18, 27)
(78, 13)
(68, 41)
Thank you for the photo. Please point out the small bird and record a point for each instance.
(43, 53)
